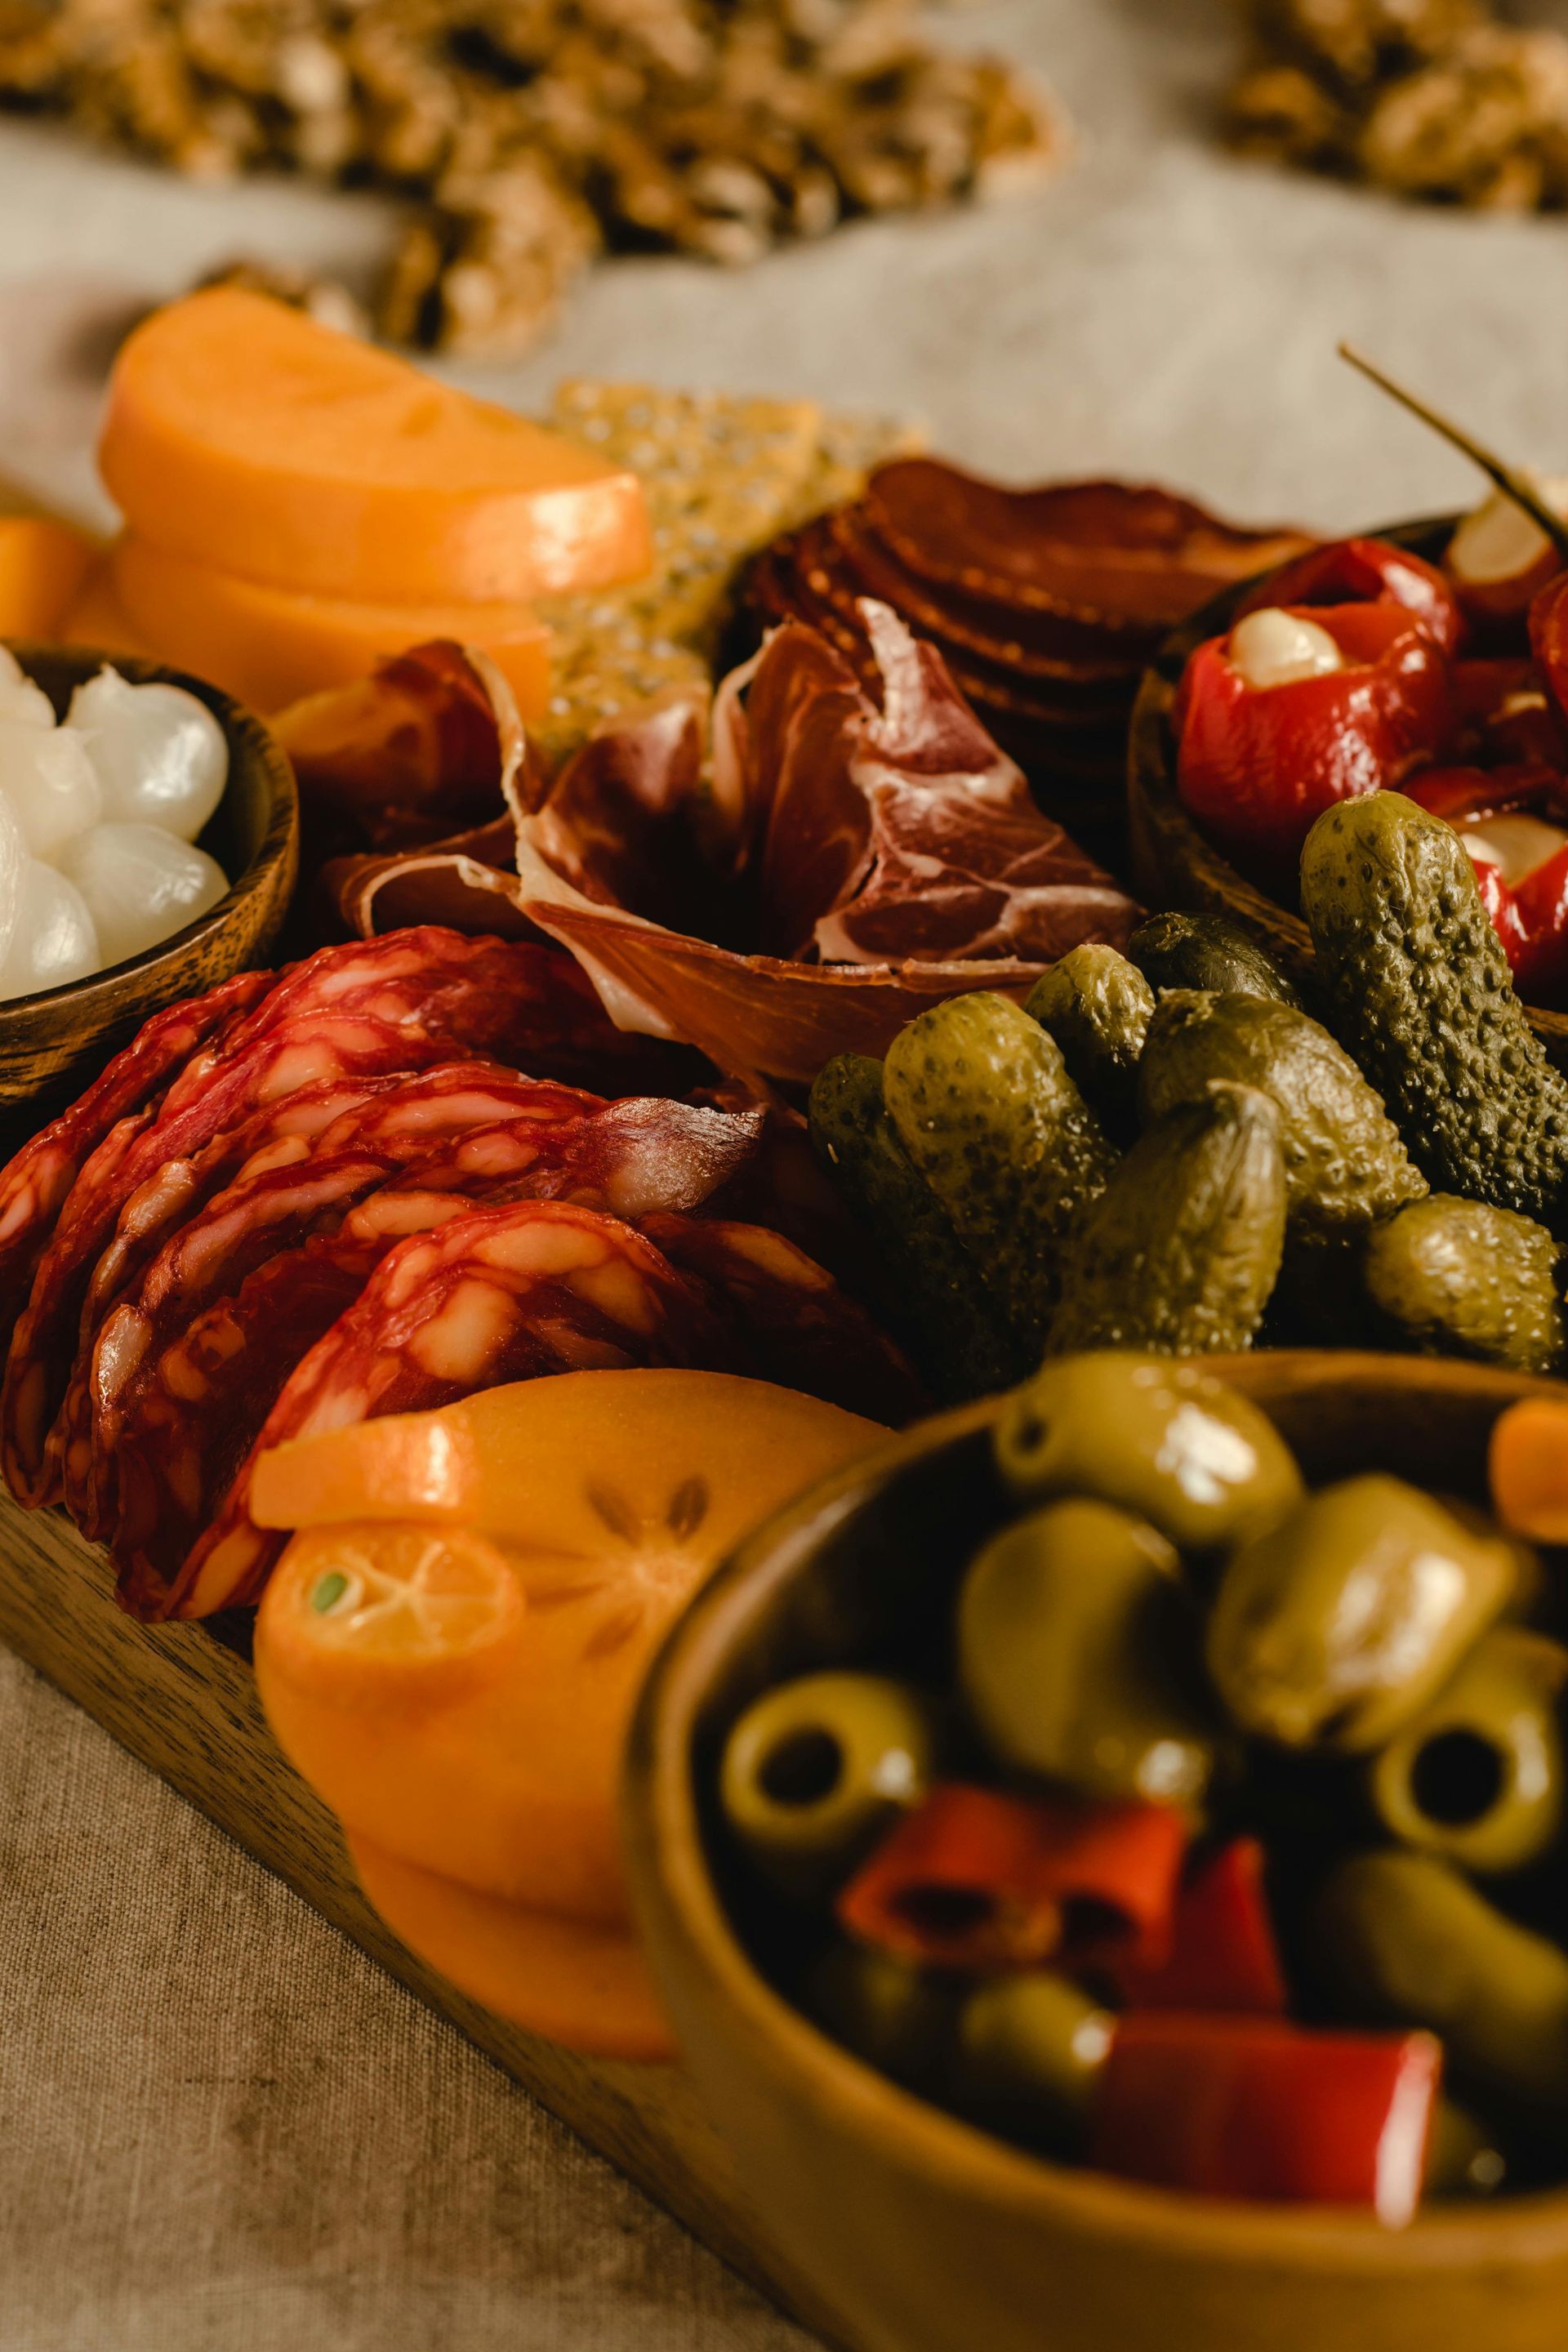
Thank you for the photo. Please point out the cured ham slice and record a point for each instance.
(500, 1294)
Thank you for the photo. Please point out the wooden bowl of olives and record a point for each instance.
(149, 845)
(1176, 865)
(958, 2138)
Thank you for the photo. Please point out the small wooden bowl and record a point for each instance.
(52, 1044)
(1174, 865)
(921, 2233)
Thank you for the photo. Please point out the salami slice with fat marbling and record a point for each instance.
(505, 1293)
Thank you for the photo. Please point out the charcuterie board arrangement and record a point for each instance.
(713, 1029)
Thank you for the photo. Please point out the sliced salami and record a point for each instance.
(500, 1294)
(36, 1184)
(628, 1158)
(799, 1328)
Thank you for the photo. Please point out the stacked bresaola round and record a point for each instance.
(1046, 604)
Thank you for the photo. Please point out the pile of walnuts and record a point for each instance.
(1436, 99)
(531, 134)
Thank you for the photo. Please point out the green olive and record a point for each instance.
(1166, 1440)
(1066, 1622)
(1464, 2157)
(896, 2016)
(813, 1770)
(1028, 2054)
(1339, 1625)
(1478, 1776)
(1407, 1937)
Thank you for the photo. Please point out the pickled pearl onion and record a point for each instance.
(54, 940)
(140, 885)
(161, 756)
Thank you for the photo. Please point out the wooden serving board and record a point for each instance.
(183, 1700)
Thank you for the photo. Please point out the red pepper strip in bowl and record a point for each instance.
(1530, 912)
(1257, 765)
(976, 1879)
(1365, 572)
(1254, 2108)
(1223, 1956)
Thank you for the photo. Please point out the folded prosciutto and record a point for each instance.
(793, 875)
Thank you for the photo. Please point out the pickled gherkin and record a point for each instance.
(1460, 1277)
(1419, 989)
(931, 1294)
(1207, 951)
(1344, 1162)
(1182, 1251)
(982, 1101)
(1098, 1007)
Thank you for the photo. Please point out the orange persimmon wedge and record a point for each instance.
(611, 1496)
(1529, 1469)
(586, 1986)
(269, 647)
(242, 434)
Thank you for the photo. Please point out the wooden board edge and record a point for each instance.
(185, 1705)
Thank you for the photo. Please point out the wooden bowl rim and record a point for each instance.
(248, 737)
(1152, 783)
(666, 1847)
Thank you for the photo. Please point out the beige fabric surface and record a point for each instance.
(220, 2129)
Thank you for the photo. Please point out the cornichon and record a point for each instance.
(1418, 989)
(1344, 1162)
(930, 1292)
(1098, 1007)
(982, 1101)
(1460, 1277)
(1207, 951)
(1181, 1252)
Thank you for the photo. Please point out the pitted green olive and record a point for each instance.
(896, 2016)
(1068, 1625)
(1342, 1623)
(1478, 1776)
(814, 1768)
(1405, 1937)
(1028, 2054)
(1164, 1439)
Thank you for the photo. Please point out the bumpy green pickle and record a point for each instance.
(1167, 1441)
(1029, 2052)
(814, 1769)
(1341, 1624)
(1463, 1279)
(1098, 1007)
(1207, 951)
(984, 1105)
(1066, 1622)
(1478, 1776)
(1405, 1937)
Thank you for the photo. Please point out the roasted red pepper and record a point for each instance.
(1254, 2108)
(1366, 572)
(1503, 716)
(976, 1879)
(1223, 1956)
(1530, 915)
(1257, 765)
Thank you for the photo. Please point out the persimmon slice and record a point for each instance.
(589, 1986)
(611, 1496)
(373, 1614)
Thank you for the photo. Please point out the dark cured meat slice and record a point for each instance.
(801, 1330)
(407, 757)
(36, 1184)
(1087, 551)
(501, 1294)
(624, 1159)
(334, 1111)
